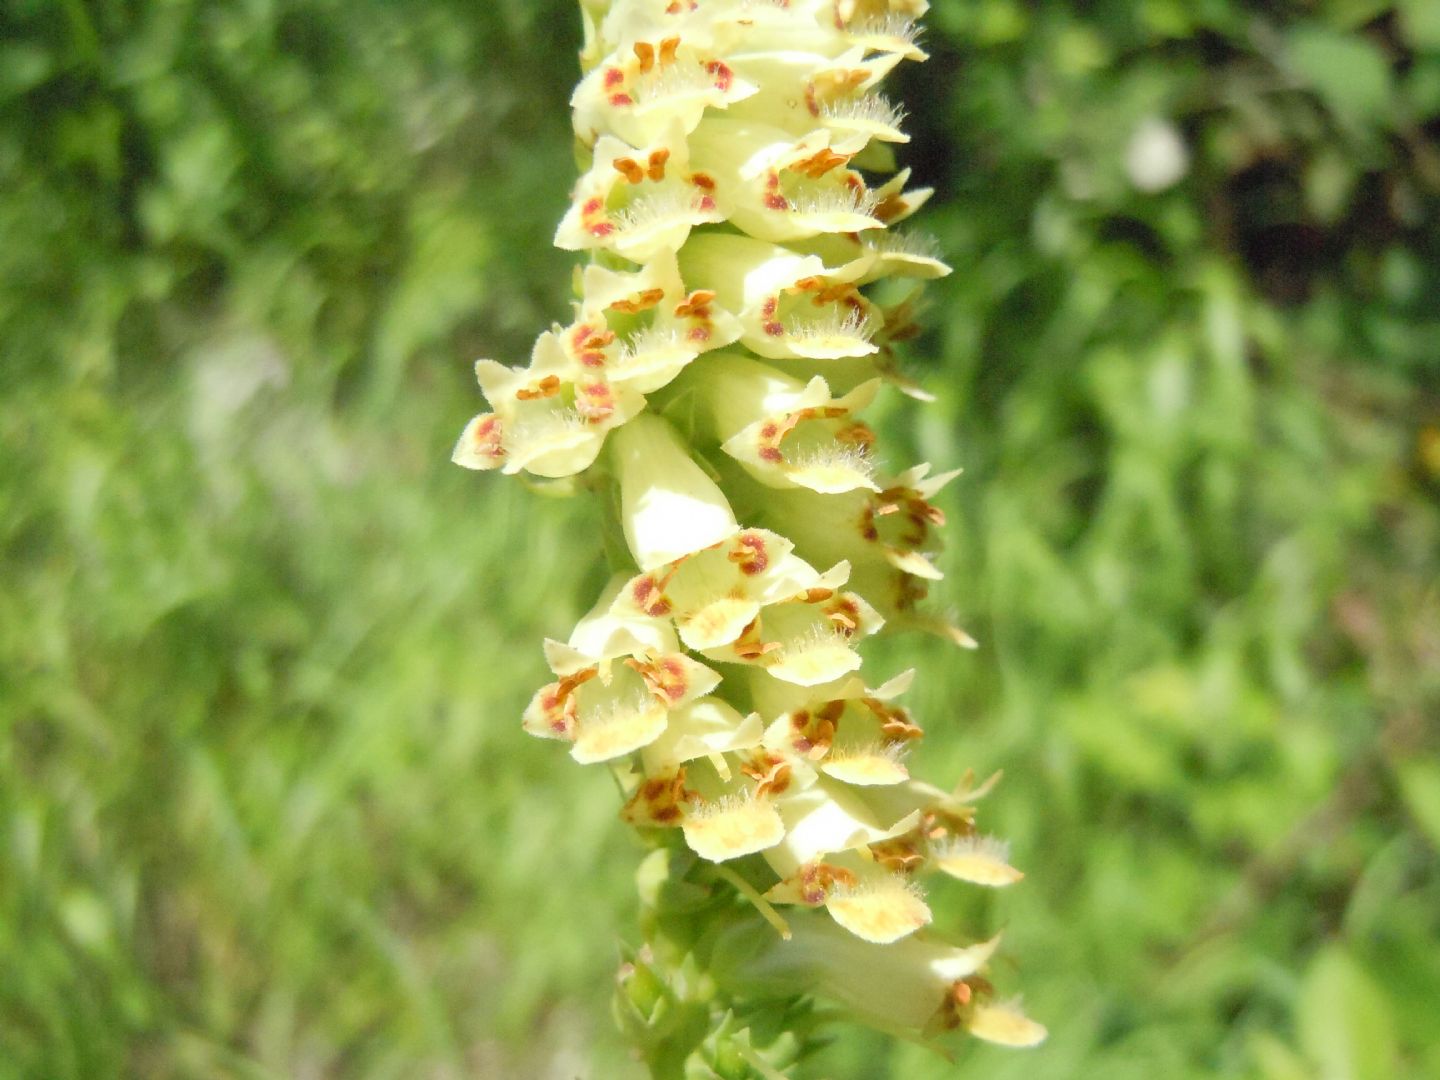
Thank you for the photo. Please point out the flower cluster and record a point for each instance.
(722, 349)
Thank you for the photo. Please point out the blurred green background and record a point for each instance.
(265, 806)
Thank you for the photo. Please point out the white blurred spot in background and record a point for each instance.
(1156, 156)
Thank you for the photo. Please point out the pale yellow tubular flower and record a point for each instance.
(881, 253)
(825, 816)
(800, 92)
(909, 986)
(550, 418)
(638, 201)
(642, 328)
(890, 536)
(916, 987)
(639, 94)
(821, 27)
(845, 728)
(947, 839)
(786, 433)
(791, 307)
(722, 802)
(808, 639)
(618, 682)
(715, 594)
(824, 858)
(874, 904)
(776, 186)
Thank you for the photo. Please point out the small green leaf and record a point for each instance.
(1344, 1020)
(24, 65)
(1420, 23)
(1349, 74)
(1420, 788)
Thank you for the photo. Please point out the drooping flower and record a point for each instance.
(734, 209)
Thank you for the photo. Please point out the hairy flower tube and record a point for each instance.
(737, 209)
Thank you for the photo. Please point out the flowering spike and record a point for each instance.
(734, 209)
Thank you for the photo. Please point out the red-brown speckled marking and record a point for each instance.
(596, 402)
(813, 733)
(771, 325)
(748, 645)
(630, 169)
(613, 78)
(844, 613)
(487, 437)
(665, 677)
(641, 301)
(817, 880)
(549, 386)
(649, 597)
(843, 292)
(771, 435)
(621, 100)
(856, 433)
(557, 701)
(899, 855)
(750, 554)
(890, 208)
(487, 432)
(659, 800)
(960, 999)
(770, 772)
(721, 73)
(894, 721)
(696, 305)
(819, 163)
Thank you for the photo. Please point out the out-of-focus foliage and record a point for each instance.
(264, 806)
